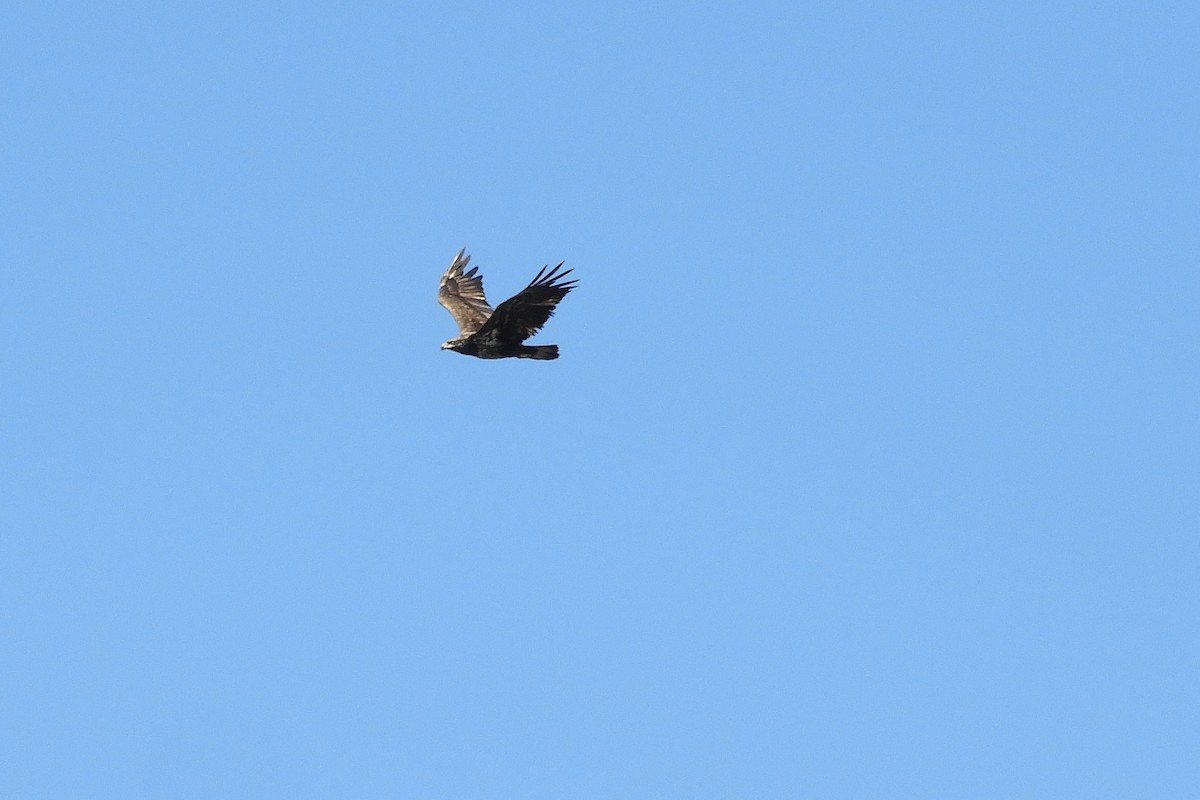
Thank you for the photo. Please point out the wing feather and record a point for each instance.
(524, 314)
(461, 293)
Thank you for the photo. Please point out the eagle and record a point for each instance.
(485, 333)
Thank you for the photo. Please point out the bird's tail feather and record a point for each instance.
(541, 352)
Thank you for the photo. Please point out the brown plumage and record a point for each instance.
(501, 333)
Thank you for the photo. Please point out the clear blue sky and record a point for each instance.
(869, 469)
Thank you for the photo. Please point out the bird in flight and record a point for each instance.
(485, 333)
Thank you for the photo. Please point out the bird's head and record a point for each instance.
(452, 344)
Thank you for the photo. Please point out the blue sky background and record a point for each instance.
(869, 469)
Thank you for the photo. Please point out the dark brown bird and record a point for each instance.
(485, 333)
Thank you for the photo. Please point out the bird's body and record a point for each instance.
(501, 333)
(487, 348)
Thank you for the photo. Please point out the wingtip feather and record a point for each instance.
(553, 277)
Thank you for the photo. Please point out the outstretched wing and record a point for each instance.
(461, 293)
(523, 315)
